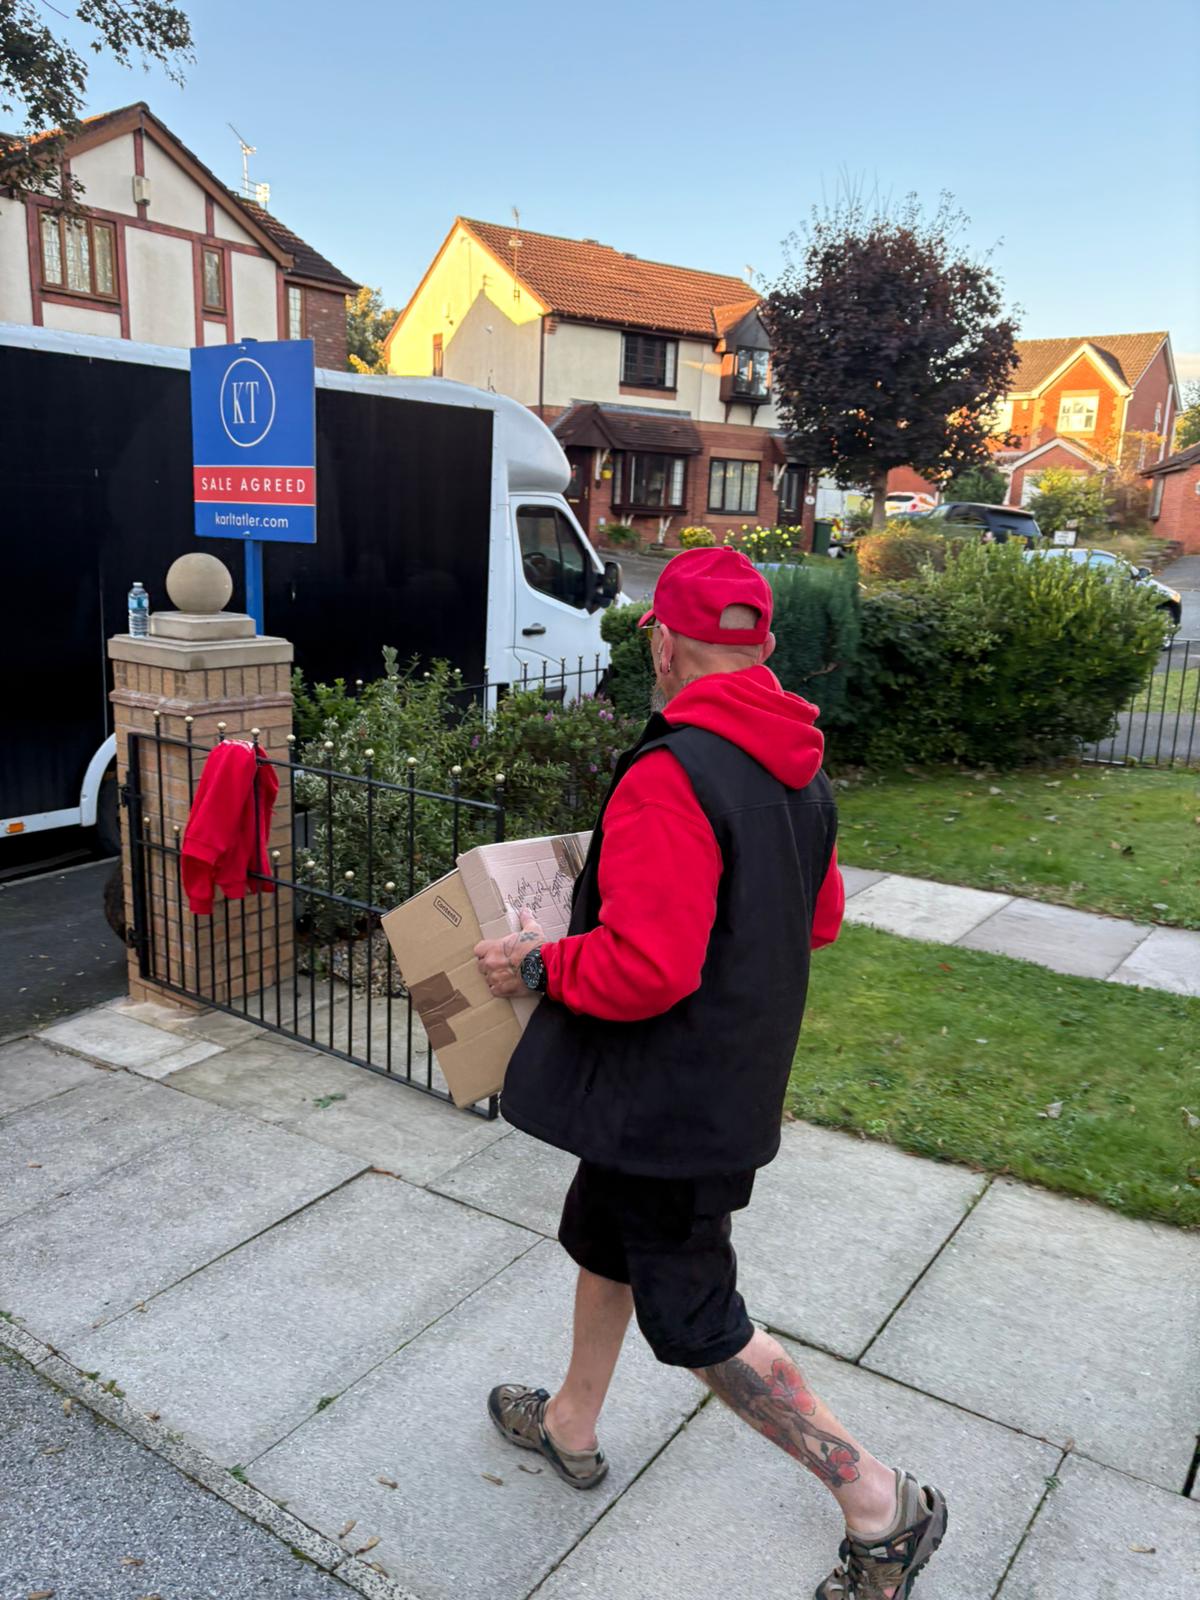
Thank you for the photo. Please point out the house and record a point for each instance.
(1084, 404)
(655, 378)
(1175, 498)
(163, 252)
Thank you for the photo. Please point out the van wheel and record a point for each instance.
(114, 902)
(108, 815)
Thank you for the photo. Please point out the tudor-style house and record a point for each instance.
(655, 378)
(161, 251)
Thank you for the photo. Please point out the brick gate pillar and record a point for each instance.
(201, 674)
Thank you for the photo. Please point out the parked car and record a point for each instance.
(902, 503)
(1116, 566)
(1000, 522)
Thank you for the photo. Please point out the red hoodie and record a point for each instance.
(659, 850)
(219, 843)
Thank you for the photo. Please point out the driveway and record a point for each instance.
(57, 952)
(1184, 575)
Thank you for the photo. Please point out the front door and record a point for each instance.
(579, 490)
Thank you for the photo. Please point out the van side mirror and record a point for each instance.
(610, 584)
(1142, 572)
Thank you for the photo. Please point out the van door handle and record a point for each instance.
(536, 627)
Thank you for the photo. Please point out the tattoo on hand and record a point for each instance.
(516, 947)
(780, 1407)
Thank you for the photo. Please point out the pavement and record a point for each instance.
(289, 1284)
(57, 951)
(1184, 574)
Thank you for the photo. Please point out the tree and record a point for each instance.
(985, 485)
(1187, 425)
(889, 347)
(43, 79)
(368, 323)
(1064, 496)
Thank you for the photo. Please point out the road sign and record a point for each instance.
(254, 441)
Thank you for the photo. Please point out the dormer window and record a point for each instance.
(752, 372)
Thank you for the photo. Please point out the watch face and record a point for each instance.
(533, 970)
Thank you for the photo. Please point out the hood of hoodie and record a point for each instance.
(751, 710)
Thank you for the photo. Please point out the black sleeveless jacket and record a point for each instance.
(698, 1090)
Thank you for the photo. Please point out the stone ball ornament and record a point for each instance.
(199, 584)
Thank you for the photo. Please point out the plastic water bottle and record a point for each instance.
(139, 612)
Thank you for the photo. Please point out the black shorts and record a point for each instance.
(669, 1239)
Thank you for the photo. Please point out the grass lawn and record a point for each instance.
(1124, 841)
(952, 1053)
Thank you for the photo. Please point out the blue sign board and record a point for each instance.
(254, 441)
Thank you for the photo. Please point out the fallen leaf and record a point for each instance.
(1190, 1120)
(945, 966)
(40, 1594)
(350, 1526)
(152, 1416)
(994, 790)
(981, 1041)
(140, 1306)
(1057, 784)
(1159, 906)
(53, 1449)
(533, 1471)
(492, 1478)
(133, 1561)
(388, 1483)
(1144, 1549)
(370, 1545)
(33, 1163)
(1054, 1109)
(68, 1407)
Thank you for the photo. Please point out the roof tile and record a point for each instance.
(594, 282)
(1128, 354)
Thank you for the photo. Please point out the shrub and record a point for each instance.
(984, 485)
(1064, 496)
(621, 535)
(696, 538)
(900, 552)
(767, 544)
(631, 674)
(998, 660)
(816, 627)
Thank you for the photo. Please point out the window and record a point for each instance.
(1001, 418)
(438, 355)
(1077, 413)
(552, 557)
(648, 362)
(733, 486)
(652, 481)
(295, 312)
(752, 372)
(1156, 495)
(213, 278)
(79, 255)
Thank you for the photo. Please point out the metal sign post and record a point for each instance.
(254, 449)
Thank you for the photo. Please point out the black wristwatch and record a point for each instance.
(533, 972)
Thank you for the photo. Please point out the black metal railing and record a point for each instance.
(1160, 726)
(563, 682)
(274, 959)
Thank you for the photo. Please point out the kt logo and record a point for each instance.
(247, 402)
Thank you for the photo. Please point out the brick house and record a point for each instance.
(1175, 498)
(655, 378)
(163, 252)
(1075, 403)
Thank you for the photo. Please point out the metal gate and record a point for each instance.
(303, 956)
(1160, 727)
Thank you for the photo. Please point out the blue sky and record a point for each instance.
(702, 134)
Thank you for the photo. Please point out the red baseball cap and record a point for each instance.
(696, 587)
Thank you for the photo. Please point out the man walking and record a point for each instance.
(661, 1055)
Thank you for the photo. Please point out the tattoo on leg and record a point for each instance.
(781, 1407)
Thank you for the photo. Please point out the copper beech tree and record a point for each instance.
(890, 346)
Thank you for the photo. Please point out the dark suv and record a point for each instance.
(1002, 522)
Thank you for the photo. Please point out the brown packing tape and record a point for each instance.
(437, 1000)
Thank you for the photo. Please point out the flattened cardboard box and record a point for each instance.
(434, 934)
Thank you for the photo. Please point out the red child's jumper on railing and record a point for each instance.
(221, 844)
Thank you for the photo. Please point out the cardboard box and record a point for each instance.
(434, 934)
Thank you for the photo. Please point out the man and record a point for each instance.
(661, 1054)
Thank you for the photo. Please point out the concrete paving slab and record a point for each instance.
(81, 1497)
(119, 1041)
(856, 879)
(239, 1354)
(916, 909)
(221, 1027)
(515, 1177)
(1065, 1320)
(419, 1419)
(1103, 1534)
(1076, 942)
(31, 1071)
(73, 1263)
(1169, 959)
(268, 1078)
(798, 1236)
(723, 1513)
(154, 1012)
(63, 1144)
